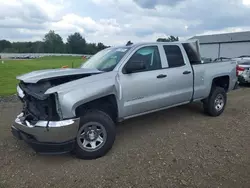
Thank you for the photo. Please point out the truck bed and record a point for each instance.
(204, 74)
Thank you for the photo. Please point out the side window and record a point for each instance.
(150, 56)
(174, 56)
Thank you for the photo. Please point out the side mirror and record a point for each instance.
(135, 66)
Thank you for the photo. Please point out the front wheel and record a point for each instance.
(95, 136)
(215, 104)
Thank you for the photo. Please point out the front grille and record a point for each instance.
(35, 109)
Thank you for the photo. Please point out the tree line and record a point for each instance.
(53, 43)
(169, 39)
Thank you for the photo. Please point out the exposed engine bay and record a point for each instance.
(40, 106)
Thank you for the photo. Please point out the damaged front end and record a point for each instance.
(40, 106)
(37, 105)
(41, 123)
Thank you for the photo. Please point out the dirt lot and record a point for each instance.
(180, 147)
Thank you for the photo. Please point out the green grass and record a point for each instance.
(12, 68)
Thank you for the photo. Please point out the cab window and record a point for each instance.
(174, 56)
(150, 56)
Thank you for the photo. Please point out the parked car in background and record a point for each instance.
(77, 109)
(206, 60)
(220, 59)
(243, 69)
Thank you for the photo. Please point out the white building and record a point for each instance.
(224, 45)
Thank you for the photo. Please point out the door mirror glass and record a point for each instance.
(135, 66)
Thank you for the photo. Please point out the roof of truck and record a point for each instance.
(155, 43)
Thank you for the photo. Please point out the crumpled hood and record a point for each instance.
(35, 76)
(89, 83)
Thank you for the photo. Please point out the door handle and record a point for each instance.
(186, 72)
(161, 76)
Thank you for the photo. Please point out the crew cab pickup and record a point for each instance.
(76, 110)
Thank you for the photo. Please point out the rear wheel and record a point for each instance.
(95, 136)
(215, 104)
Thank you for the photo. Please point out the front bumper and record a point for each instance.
(47, 137)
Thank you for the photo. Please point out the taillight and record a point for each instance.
(238, 69)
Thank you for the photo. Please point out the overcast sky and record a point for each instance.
(117, 21)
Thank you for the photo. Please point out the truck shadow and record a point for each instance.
(138, 125)
(247, 85)
(168, 116)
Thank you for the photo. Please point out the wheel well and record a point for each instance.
(106, 104)
(222, 81)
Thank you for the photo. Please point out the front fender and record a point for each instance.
(71, 100)
(78, 92)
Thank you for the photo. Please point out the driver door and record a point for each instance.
(142, 91)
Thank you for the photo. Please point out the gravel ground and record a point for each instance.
(11, 98)
(179, 147)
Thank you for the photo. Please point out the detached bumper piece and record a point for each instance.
(47, 137)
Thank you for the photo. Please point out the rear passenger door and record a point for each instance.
(179, 83)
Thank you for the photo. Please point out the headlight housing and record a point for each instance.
(20, 92)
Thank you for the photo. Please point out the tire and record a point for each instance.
(215, 104)
(94, 125)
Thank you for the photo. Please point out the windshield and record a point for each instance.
(106, 60)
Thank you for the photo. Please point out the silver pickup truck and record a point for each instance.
(76, 110)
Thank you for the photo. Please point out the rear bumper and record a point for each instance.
(47, 137)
